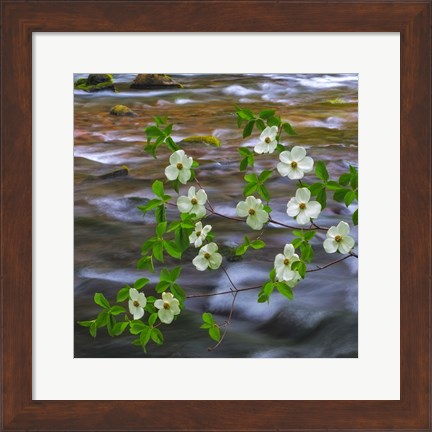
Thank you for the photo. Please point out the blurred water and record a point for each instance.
(109, 230)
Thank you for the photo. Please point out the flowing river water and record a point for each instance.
(321, 321)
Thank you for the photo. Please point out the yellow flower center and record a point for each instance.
(294, 164)
(179, 166)
(194, 201)
(251, 212)
(198, 233)
(286, 261)
(338, 238)
(136, 303)
(166, 305)
(302, 206)
(207, 255)
(268, 140)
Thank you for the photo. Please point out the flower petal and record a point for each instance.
(302, 218)
(271, 146)
(183, 204)
(193, 237)
(200, 262)
(211, 247)
(166, 315)
(298, 153)
(199, 210)
(253, 222)
(273, 132)
(283, 169)
(265, 133)
(346, 244)
(167, 296)
(159, 304)
(215, 261)
(242, 209)
(332, 232)
(289, 250)
(293, 208)
(205, 230)
(198, 242)
(201, 197)
(279, 260)
(262, 216)
(174, 306)
(187, 162)
(184, 175)
(139, 313)
(142, 300)
(285, 157)
(171, 172)
(306, 164)
(295, 173)
(313, 209)
(260, 148)
(343, 228)
(191, 192)
(288, 274)
(330, 245)
(176, 157)
(303, 195)
(133, 294)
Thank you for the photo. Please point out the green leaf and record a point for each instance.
(355, 217)
(153, 131)
(205, 326)
(85, 323)
(157, 336)
(145, 263)
(260, 124)
(158, 251)
(339, 195)
(321, 171)
(332, 185)
(263, 191)
(172, 249)
(244, 164)
(102, 319)
(309, 235)
(160, 213)
(272, 275)
(265, 114)
(93, 329)
(247, 131)
(178, 292)
(117, 310)
(241, 250)
(289, 129)
(153, 203)
(258, 244)
(162, 286)
(119, 328)
(344, 179)
(123, 294)
(100, 300)
(214, 333)
(251, 178)
(354, 181)
(307, 252)
(245, 114)
(161, 228)
(207, 317)
(285, 290)
(249, 189)
(137, 327)
(175, 273)
(152, 319)
(171, 144)
(268, 288)
(145, 335)
(300, 266)
(273, 121)
(244, 151)
(140, 283)
(158, 189)
(349, 198)
(297, 242)
(265, 175)
(316, 188)
(322, 198)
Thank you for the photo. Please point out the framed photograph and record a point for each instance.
(182, 242)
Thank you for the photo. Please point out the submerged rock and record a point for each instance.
(121, 110)
(122, 172)
(151, 81)
(95, 82)
(209, 140)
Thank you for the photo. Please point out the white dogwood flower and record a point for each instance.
(168, 307)
(179, 167)
(254, 210)
(283, 262)
(294, 163)
(193, 203)
(199, 235)
(338, 239)
(208, 256)
(137, 303)
(301, 208)
(268, 140)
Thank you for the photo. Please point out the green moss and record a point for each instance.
(336, 101)
(149, 81)
(121, 110)
(210, 140)
(80, 81)
(95, 82)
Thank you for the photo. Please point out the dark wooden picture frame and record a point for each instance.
(412, 19)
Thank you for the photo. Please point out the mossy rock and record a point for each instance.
(121, 110)
(152, 81)
(122, 172)
(95, 82)
(208, 140)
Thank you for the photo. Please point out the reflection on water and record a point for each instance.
(109, 230)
